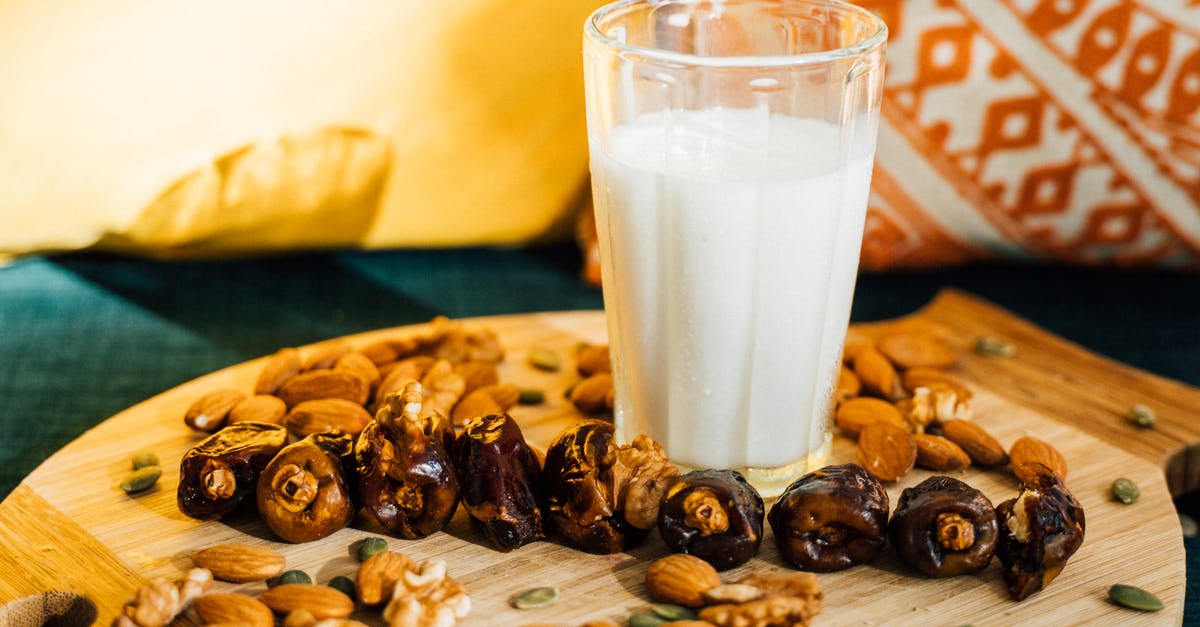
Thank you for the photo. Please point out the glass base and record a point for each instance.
(771, 482)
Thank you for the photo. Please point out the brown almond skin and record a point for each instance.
(477, 374)
(591, 395)
(848, 385)
(224, 608)
(319, 384)
(593, 360)
(360, 366)
(681, 579)
(259, 408)
(914, 378)
(281, 366)
(320, 601)
(937, 453)
(916, 350)
(378, 575)
(876, 372)
(886, 451)
(983, 449)
(1028, 450)
(326, 414)
(211, 411)
(240, 563)
(855, 414)
(325, 356)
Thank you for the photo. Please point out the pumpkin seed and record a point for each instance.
(1125, 490)
(1134, 598)
(343, 585)
(141, 460)
(672, 612)
(370, 547)
(544, 359)
(994, 347)
(290, 576)
(531, 396)
(536, 597)
(646, 619)
(141, 479)
(1142, 416)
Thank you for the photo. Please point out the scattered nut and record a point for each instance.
(994, 347)
(681, 579)
(979, 445)
(732, 593)
(916, 350)
(209, 412)
(1030, 449)
(1142, 416)
(228, 608)
(888, 452)
(937, 453)
(536, 597)
(141, 479)
(1134, 598)
(1125, 490)
(370, 547)
(141, 460)
(877, 374)
(544, 358)
(320, 601)
(240, 563)
(853, 415)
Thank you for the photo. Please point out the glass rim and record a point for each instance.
(875, 40)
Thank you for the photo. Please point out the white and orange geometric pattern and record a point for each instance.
(1063, 130)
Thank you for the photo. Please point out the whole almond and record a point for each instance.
(855, 414)
(397, 374)
(1030, 449)
(681, 579)
(377, 576)
(259, 408)
(360, 366)
(916, 350)
(937, 453)
(320, 601)
(848, 385)
(324, 356)
(886, 451)
(982, 448)
(914, 378)
(326, 414)
(318, 384)
(477, 374)
(231, 608)
(877, 374)
(240, 562)
(591, 396)
(380, 352)
(489, 399)
(593, 359)
(280, 367)
(211, 411)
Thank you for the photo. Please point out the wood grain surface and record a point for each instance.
(68, 526)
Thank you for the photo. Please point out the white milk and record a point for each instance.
(730, 242)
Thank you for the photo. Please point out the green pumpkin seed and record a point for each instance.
(141, 479)
(536, 597)
(141, 460)
(1142, 416)
(343, 585)
(289, 576)
(531, 396)
(544, 359)
(646, 619)
(1134, 598)
(672, 612)
(371, 547)
(994, 347)
(1125, 490)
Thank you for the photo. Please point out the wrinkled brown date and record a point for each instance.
(308, 491)
(715, 515)
(943, 527)
(601, 497)
(217, 474)
(500, 481)
(831, 519)
(407, 480)
(1040, 530)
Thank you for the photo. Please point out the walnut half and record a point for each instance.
(425, 596)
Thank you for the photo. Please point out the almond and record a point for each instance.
(877, 374)
(916, 350)
(240, 562)
(318, 384)
(229, 608)
(477, 374)
(324, 356)
(320, 601)
(886, 451)
(848, 385)
(914, 378)
(326, 414)
(360, 366)
(937, 453)
(210, 412)
(681, 579)
(855, 414)
(381, 352)
(982, 448)
(593, 394)
(593, 359)
(377, 576)
(1032, 450)
(280, 367)
(259, 408)
(399, 373)
(489, 399)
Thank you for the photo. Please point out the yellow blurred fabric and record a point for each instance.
(214, 128)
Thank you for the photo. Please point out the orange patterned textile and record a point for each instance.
(1065, 130)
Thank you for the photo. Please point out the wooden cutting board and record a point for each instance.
(68, 526)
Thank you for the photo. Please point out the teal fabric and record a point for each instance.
(84, 336)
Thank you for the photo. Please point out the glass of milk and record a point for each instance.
(731, 150)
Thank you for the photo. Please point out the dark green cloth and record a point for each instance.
(84, 336)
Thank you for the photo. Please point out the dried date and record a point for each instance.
(831, 519)
(1040, 530)
(943, 527)
(715, 515)
(500, 481)
(217, 474)
(308, 491)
